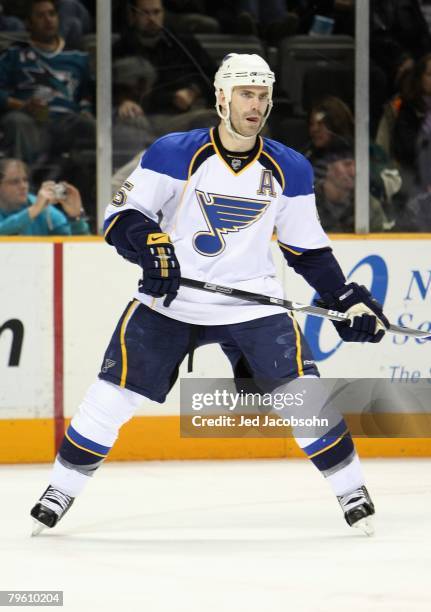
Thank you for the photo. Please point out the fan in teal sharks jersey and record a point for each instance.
(45, 91)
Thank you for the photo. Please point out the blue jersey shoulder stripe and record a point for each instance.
(173, 153)
(201, 155)
(296, 169)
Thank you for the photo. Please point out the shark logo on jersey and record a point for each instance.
(224, 214)
(59, 83)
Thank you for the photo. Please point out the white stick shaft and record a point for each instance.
(317, 311)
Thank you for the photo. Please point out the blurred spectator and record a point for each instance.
(391, 109)
(416, 214)
(335, 195)
(173, 89)
(398, 30)
(331, 126)
(412, 130)
(75, 21)
(181, 66)
(130, 134)
(22, 213)
(385, 184)
(331, 129)
(44, 91)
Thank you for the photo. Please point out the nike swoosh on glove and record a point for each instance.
(367, 321)
(161, 268)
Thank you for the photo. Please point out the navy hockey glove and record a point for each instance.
(161, 268)
(367, 324)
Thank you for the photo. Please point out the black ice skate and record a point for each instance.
(358, 509)
(51, 507)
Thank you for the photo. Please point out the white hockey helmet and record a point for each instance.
(239, 69)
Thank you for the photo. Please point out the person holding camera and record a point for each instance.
(25, 214)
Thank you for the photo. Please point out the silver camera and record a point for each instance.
(60, 190)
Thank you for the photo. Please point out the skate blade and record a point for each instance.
(365, 525)
(37, 528)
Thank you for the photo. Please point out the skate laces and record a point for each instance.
(56, 500)
(353, 499)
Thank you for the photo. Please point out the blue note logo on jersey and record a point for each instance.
(224, 214)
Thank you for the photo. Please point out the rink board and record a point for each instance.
(155, 438)
(67, 295)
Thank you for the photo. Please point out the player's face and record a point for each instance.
(147, 16)
(14, 186)
(44, 22)
(247, 109)
(319, 133)
(342, 174)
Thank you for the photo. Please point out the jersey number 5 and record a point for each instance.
(120, 198)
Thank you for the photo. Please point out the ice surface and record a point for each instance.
(213, 536)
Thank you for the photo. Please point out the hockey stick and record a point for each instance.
(317, 311)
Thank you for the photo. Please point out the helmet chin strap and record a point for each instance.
(229, 126)
(236, 134)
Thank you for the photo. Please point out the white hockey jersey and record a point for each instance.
(220, 210)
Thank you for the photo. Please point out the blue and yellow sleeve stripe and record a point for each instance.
(294, 250)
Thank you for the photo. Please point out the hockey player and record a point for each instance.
(219, 194)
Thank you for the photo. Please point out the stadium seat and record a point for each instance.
(219, 45)
(328, 81)
(299, 53)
